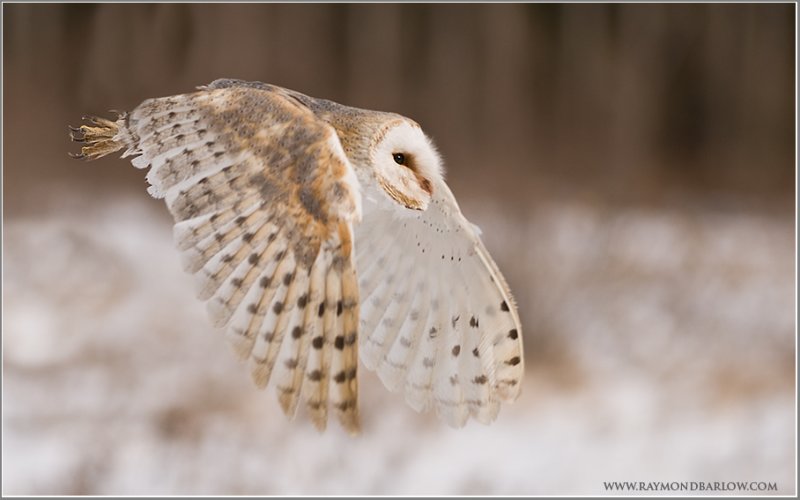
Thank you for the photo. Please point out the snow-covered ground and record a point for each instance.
(660, 345)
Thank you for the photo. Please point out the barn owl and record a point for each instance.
(319, 233)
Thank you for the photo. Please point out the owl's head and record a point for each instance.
(406, 163)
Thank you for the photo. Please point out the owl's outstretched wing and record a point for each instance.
(437, 318)
(264, 200)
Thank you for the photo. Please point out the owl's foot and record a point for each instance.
(98, 137)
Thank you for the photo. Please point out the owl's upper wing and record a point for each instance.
(264, 200)
(437, 318)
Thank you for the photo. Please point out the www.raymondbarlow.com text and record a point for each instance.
(689, 486)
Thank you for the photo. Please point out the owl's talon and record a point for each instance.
(76, 134)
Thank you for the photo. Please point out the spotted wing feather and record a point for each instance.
(264, 200)
(437, 320)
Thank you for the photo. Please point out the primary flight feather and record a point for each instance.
(319, 232)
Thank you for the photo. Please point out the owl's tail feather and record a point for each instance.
(101, 137)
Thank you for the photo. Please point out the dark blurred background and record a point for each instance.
(631, 165)
(632, 99)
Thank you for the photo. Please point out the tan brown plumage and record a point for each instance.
(266, 186)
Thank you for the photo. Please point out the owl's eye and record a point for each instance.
(399, 158)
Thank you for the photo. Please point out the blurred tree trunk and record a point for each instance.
(624, 96)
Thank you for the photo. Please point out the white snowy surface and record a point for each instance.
(660, 345)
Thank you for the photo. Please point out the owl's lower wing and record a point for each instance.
(437, 318)
(263, 198)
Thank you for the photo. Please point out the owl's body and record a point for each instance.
(316, 231)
